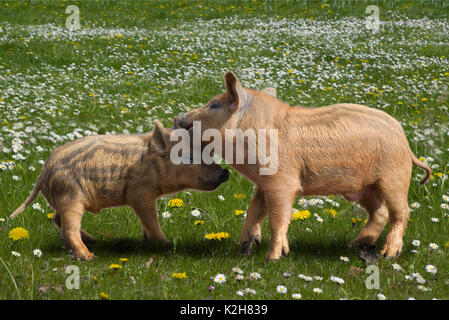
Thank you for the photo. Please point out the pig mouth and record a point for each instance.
(178, 125)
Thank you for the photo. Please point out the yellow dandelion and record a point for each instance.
(198, 222)
(175, 203)
(239, 196)
(217, 236)
(104, 296)
(123, 259)
(301, 215)
(332, 212)
(50, 215)
(179, 275)
(239, 212)
(356, 220)
(115, 266)
(18, 233)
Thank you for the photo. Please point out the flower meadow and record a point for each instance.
(131, 63)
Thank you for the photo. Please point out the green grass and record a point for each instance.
(133, 62)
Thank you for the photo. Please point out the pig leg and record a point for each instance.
(252, 227)
(146, 210)
(279, 203)
(85, 237)
(69, 220)
(377, 219)
(399, 213)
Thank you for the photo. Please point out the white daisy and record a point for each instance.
(380, 296)
(251, 291)
(396, 266)
(308, 278)
(296, 296)
(433, 246)
(220, 278)
(415, 205)
(166, 214)
(420, 280)
(281, 289)
(195, 213)
(422, 288)
(37, 253)
(255, 275)
(431, 269)
(239, 277)
(237, 270)
(337, 280)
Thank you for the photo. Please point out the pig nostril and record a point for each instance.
(180, 118)
(224, 176)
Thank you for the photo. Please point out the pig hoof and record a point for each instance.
(158, 242)
(389, 253)
(246, 247)
(83, 257)
(367, 253)
(388, 257)
(271, 259)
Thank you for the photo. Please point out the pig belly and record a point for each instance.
(356, 196)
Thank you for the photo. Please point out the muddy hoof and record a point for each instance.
(367, 254)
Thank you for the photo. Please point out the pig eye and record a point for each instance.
(215, 105)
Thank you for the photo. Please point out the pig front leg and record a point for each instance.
(279, 201)
(252, 227)
(146, 210)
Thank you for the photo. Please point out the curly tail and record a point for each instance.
(28, 200)
(423, 166)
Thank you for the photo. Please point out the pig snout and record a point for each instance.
(224, 176)
(178, 121)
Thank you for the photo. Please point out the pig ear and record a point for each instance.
(234, 91)
(161, 137)
(270, 91)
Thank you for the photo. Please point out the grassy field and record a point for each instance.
(133, 62)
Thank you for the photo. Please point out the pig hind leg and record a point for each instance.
(399, 213)
(395, 194)
(377, 219)
(68, 220)
(85, 237)
(365, 242)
